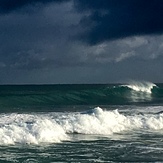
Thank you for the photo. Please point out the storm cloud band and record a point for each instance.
(112, 19)
(94, 40)
(108, 19)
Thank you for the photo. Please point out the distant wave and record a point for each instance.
(56, 127)
(67, 95)
(145, 87)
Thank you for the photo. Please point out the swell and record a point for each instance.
(61, 95)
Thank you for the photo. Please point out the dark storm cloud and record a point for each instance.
(107, 19)
(38, 41)
(10, 5)
(112, 19)
(41, 39)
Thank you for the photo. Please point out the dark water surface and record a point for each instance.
(82, 123)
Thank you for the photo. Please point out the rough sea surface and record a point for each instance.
(81, 123)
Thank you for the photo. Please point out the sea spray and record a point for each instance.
(145, 87)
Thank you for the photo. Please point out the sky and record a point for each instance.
(80, 41)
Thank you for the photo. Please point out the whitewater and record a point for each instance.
(57, 127)
(82, 123)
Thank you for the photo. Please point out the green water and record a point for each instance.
(81, 123)
(22, 97)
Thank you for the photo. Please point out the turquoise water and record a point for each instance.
(81, 123)
(15, 98)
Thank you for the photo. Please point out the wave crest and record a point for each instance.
(58, 127)
(145, 87)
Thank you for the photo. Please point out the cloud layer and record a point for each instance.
(80, 41)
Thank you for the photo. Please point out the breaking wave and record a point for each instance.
(29, 129)
(145, 87)
(57, 127)
(68, 95)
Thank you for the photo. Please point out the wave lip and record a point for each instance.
(145, 87)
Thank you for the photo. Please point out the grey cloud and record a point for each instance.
(70, 54)
(42, 47)
(40, 40)
(137, 47)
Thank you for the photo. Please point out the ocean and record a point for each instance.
(81, 123)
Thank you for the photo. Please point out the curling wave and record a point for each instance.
(67, 95)
(145, 87)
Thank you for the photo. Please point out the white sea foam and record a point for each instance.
(109, 122)
(145, 87)
(26, 129)
(56, 127)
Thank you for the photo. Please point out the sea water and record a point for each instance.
(81, 123)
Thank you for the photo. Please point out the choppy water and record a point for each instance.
(82, 123)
